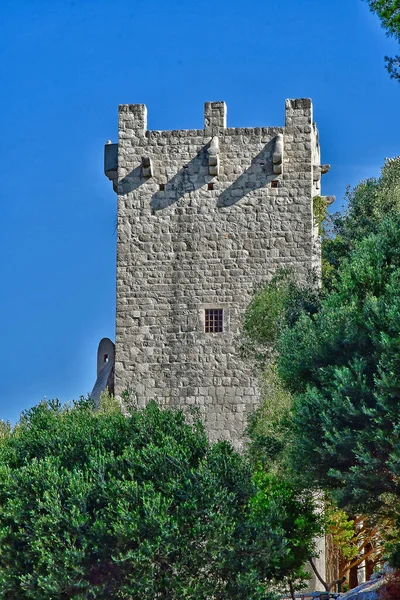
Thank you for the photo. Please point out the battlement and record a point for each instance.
(153, 155)
(133, 118)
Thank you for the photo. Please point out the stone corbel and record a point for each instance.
(319, 170)
(111, 163)
(147, 166)
(277, 156)
(328, 199)
(324, 169)
(213, 156)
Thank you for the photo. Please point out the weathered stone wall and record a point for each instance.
(190, 240)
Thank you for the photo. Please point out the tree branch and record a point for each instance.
(314, 568)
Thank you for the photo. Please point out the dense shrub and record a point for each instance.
(102, 505)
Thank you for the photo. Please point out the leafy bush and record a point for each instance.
(102, 505)
(276, 305)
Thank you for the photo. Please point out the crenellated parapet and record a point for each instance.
(157, 156)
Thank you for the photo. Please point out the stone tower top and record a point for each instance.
(133, 126)
(134, 116)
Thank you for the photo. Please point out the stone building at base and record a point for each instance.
(204, 216)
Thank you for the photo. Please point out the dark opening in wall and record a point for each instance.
(214, 320)
(162, 187)
(274, 183)
(106, 359)
(210, 186)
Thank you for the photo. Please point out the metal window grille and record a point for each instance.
(214, 320)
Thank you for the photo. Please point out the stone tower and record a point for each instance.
(203, 216)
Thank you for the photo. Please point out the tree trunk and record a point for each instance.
(369, 564)
(353, 577)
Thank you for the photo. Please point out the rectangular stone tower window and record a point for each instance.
(214, 320)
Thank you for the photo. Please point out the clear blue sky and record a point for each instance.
(66, 65)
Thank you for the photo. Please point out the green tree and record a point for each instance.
(269, 427)
(389, 13)
(333, 418)
(101, 505)
(343, 367)
(366, 205)
(276, 306)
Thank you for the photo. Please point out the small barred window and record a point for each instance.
(214, 320)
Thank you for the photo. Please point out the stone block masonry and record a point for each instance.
(204, 216)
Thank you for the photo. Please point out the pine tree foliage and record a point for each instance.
(343, 367)
(366, 205)
(389, 13)
(339, 364)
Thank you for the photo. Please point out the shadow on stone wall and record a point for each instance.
(195, 175)
(191, 177)
(250, 180)
(131, 181)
